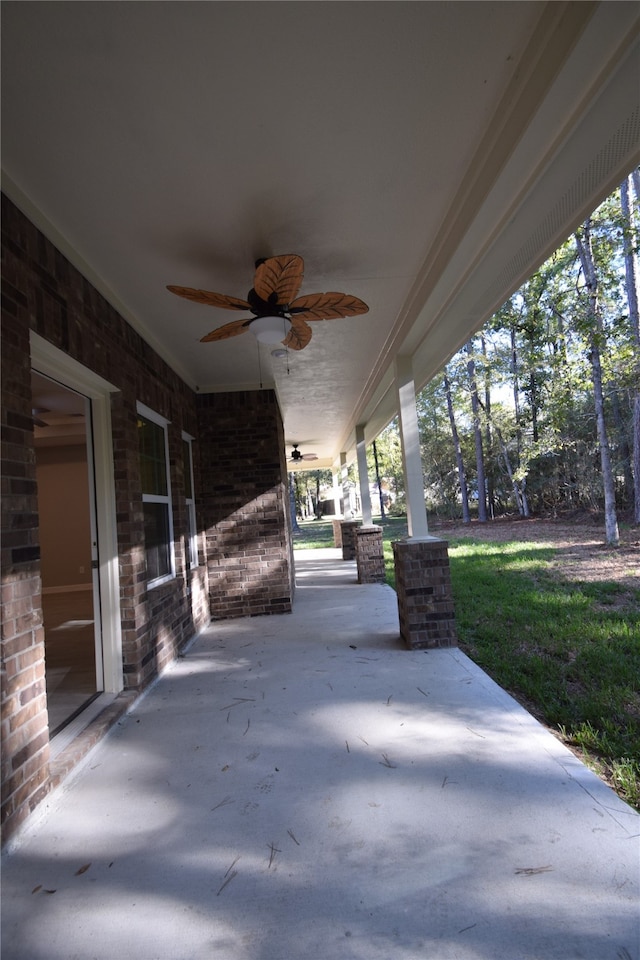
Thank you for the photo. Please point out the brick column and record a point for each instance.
(337, 533)
(425, 600)
(349, 528)
(370, 555)
(245, 504)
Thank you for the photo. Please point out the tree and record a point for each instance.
(293, 507)
(389, 453)
(462, 477)
(596, 337)
(378, 479)
(477, 434)
(629, 237)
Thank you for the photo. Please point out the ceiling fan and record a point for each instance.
(279, 314)
(297, 457)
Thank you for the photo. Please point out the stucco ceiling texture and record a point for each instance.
(424, 157)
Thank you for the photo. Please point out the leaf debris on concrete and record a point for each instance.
(227, 882)
(238, 701)
(274, 850)
(385, 762)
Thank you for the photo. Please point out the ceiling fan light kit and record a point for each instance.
(280, 316)
(270, 329)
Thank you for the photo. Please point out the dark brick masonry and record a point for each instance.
(240, 492)
(370, 555)
(425, 600)
(348, 528)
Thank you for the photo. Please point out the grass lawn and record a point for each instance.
(568, 650)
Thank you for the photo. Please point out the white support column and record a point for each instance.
(363, 476)
(346, 512)
(411, 459)
(336, 493)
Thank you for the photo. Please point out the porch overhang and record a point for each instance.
(424, 157)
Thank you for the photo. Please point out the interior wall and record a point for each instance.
(63, 503)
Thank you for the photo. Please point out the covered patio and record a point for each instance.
(365, 802)
(423, 158)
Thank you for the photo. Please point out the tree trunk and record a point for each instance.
(519, 495)
(378, 482)
(491, 500)
(623, 450)
(477, 433)
(585, 252)
(631, 278)
(462, 477)
(292, 500)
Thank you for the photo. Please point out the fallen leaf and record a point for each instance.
(385, 762)
(228, 880)
(35, 889)
(82, 869)
(274, 850)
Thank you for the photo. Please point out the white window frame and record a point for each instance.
(192, 530)
(161, 421)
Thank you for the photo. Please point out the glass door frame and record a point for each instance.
(54, 363)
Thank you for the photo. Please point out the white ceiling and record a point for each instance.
(424, 156)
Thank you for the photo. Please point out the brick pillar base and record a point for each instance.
(337, 533)
(425, 600)
(349, 528)
(370, 555)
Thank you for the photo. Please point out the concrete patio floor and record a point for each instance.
(300, 787)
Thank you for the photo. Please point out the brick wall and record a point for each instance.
(370, 554)
(425, 599)
(23, 724)
(250, 559)
(245, 504)
(337, 534)
(349, 528)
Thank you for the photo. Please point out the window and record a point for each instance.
(192, 541)
(156, 496)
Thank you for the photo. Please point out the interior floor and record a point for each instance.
(70, 656)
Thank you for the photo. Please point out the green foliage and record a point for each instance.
(569, 651)
(534, 376)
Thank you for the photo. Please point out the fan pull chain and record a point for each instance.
(259, 364)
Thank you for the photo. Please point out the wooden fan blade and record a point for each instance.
(309, 456)
(299, 335)
(327, 306)
(227, 330)
(211, 299)
(278, 279)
